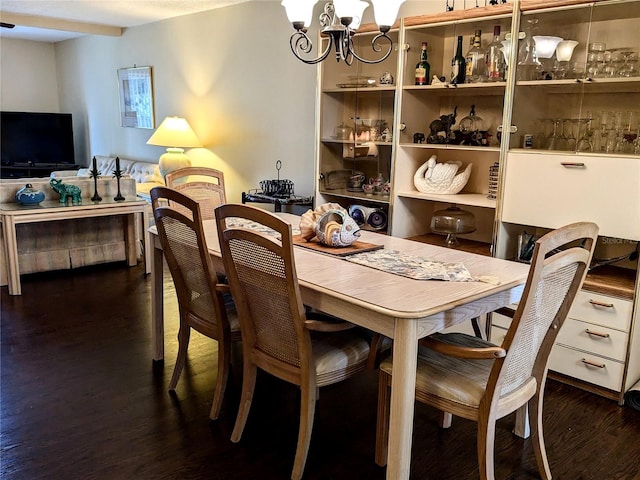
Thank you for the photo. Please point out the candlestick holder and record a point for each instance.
(94, 174)
(118, 174)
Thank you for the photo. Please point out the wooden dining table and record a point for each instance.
(401, 308)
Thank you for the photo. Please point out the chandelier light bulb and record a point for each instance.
(385, 12)
(299, 12)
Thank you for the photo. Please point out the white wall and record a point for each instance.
(28, 76)
(229, 71)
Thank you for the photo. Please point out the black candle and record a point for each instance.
(94, 166)
(118, 164)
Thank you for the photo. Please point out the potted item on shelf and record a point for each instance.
(28, 195)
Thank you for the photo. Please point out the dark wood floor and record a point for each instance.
(82, 400)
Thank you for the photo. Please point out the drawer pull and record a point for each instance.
(589, 363)
(573, 164)
(597, 334)
(596, 303)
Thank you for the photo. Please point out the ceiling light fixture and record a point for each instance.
(339, 21)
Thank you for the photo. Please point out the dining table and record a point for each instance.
(402, 308)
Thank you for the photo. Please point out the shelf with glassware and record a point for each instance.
(356, 114)
(574, 158)
(589, 55)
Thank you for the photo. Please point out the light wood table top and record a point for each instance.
(398, 307)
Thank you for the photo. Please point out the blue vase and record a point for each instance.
(28, 195)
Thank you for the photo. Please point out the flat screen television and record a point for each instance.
(36, 139)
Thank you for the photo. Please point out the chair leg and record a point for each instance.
(445, 419)
(486, 443)
(535, 411)
(183, 343)
(374, 350)
(224, 362)
(249, 373)
(382, 423)
(307, 412)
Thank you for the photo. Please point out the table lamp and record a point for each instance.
(175, 133)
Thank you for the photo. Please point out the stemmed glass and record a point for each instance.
(628, 132)
(568, 133)
(586, 141)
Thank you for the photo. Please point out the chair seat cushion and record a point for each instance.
(338, 355)
(459, 380)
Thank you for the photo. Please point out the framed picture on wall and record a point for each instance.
(136, 97)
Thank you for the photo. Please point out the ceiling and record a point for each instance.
(57, 20)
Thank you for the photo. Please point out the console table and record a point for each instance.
(12, 214)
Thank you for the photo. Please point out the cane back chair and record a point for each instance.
(203, 184)
(278, 336)
(474, 379)
(200, 298)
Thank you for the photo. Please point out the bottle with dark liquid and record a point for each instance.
(458, 65)
(422, 67)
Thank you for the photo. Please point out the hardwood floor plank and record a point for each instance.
(81, 399)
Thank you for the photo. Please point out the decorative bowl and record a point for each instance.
(28, 195)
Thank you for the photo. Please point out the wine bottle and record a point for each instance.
(494, 59)
(476, 71)
(422, 67)
(458, 65)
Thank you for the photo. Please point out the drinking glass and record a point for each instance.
(628, 132)
(586, 128)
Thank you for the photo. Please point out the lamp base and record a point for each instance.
(173, 159)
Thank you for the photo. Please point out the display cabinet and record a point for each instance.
(356, 115)
(569, 151)
(574, 155)
(424, 107)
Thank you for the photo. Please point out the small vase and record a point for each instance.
(28, 195)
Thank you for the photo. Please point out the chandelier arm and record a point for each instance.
(375, 47)
(300, 42)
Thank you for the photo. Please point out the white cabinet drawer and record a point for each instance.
(551, 190)
(602, 310)
(593, 338)
(599, 371)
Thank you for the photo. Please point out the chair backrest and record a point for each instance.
(203, 184)
(185, 249)
(558, 267)
(260, 266)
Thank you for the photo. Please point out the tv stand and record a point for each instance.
(26, 170)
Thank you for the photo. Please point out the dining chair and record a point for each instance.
(200, 297)
(474, 379)
(203, 184)
(277, 335)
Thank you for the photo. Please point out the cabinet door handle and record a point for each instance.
(589, 363)
(596, 303)
(573, 164)
(597, 334)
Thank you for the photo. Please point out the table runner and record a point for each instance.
(416, 267)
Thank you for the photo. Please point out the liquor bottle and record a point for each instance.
(422, 67)
(458, 65)
(476, 68)
(494, 59)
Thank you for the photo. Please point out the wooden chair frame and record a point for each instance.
(495, 405)
(217, 328)
(186, 179)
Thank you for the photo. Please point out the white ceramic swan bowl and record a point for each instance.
(434, 177)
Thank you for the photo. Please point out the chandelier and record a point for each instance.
(339, 22)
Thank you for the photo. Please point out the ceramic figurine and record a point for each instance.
(66, 190)
(434, 177)
(28, 195)
(330, 224)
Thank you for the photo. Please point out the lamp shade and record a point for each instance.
(386, 11)
(174, 132)
(299, 11)
(350, 8)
